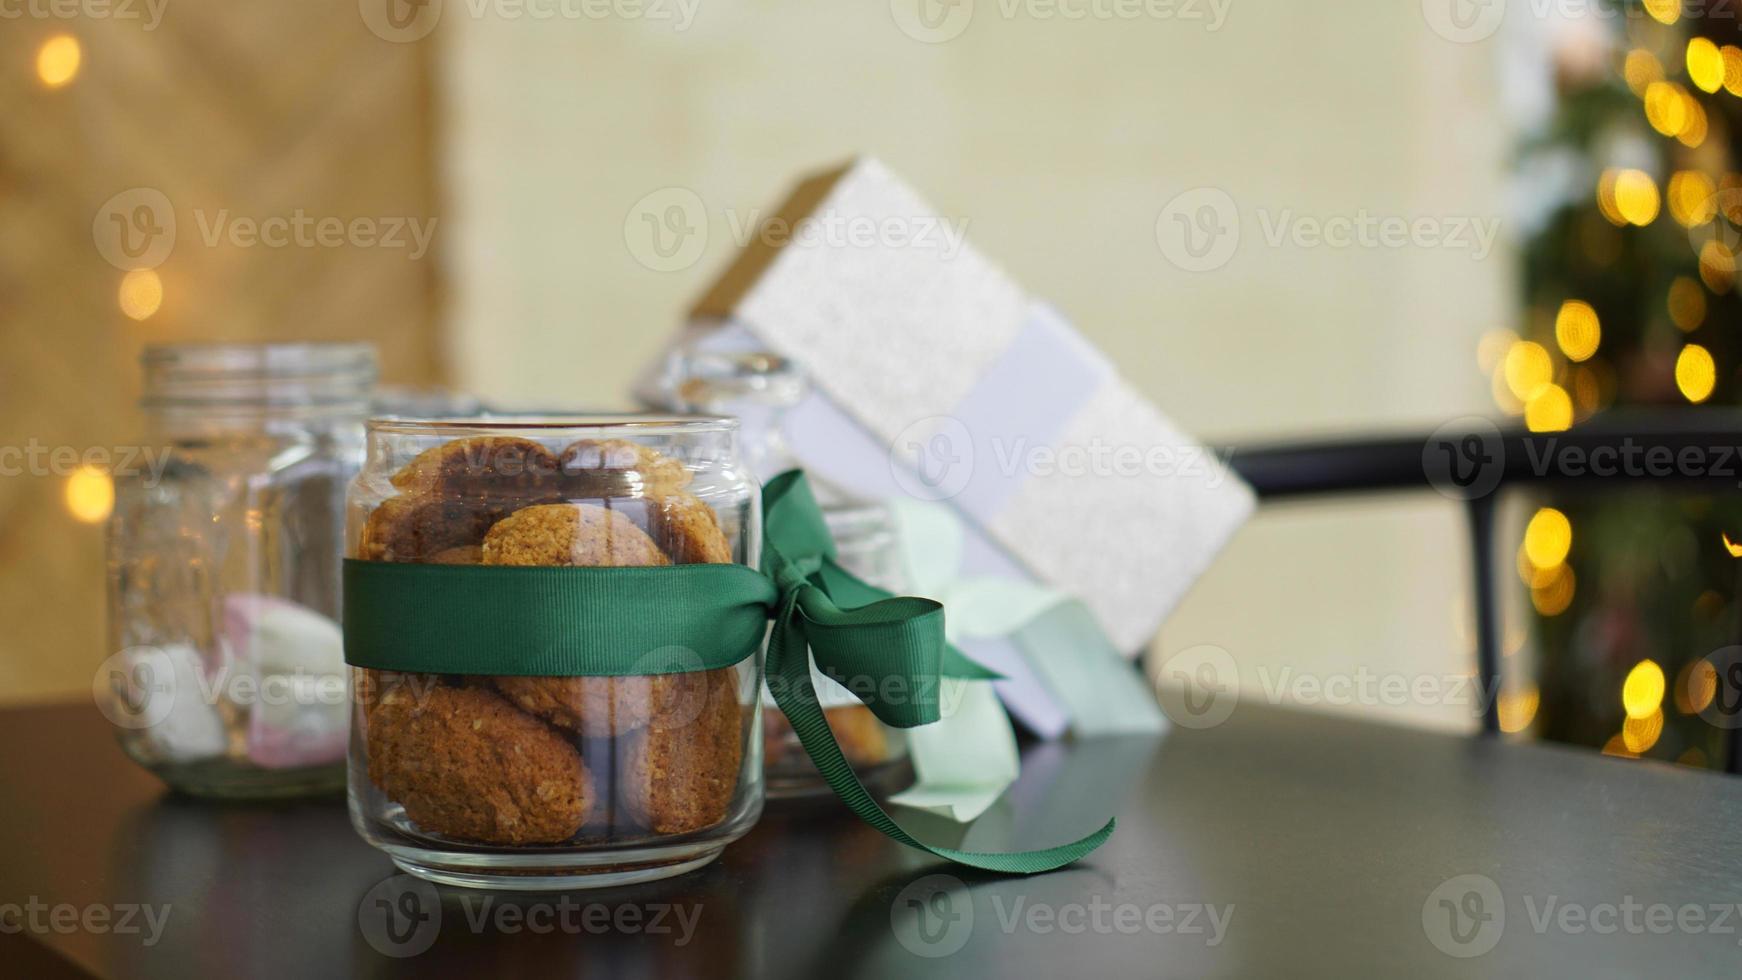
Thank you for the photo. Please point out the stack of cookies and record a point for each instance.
(511, 760)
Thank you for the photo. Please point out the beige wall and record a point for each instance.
(1060, 142)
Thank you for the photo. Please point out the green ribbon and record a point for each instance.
(889, 651)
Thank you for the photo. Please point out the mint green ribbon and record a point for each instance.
(889, 651)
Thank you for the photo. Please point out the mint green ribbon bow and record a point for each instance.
(889, 651)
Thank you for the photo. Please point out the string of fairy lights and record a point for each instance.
(1554, 382)
(89, 491)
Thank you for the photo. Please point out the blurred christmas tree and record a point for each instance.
(1628, 279)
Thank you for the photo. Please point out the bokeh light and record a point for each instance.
(57, 60)
(1687, 303)
(1641, 68)
(1664, 11)
(1636, 197)
(1548, 538)
(1693, 198)
(1732, 68)
(1717, 266)
(1528, 367)
(1695, 687)
(90, 494)
(1576, 330)
(1640, 734)
(1549, 410)
(1705, 65)
(1642, 692)
(1695, 373)
(141, 293)
(1554, 596)
(1517, 709)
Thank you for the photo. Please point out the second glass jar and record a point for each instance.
(554, 782)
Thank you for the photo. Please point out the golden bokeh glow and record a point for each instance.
(1636, 197)
(1528, 367)
(57, 61)
(1642, 68)
(1664, 11)
(90, 494)
(1666, 108)
(1732, 68)
(1553, 597)
(1549, 410)
(1693, 198)
(1606, 198)
(1693, 131)
(141, 293)
(1640, 734)
(1548, 538)
(1642, 692)
(1695, 374)
(1695, 687)
(1687, 303)
(1717, 266)
(1617, 746)
(1517, 709)
(1705, 65)
(1576, 330)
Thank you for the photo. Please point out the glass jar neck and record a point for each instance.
(215, 387)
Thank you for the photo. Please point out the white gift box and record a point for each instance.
(936, 376)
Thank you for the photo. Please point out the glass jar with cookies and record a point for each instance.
(513, 766)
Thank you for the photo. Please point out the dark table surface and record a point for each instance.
(1276, 844)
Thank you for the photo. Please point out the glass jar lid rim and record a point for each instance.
(638, 423)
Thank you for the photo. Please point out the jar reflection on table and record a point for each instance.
(226, 676)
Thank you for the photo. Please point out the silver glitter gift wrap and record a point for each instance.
(940, 378)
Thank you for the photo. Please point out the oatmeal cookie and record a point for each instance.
(464, 763)
(569, 534)
(489, 467)
(687, 529)
(416, 528)
(680, 778)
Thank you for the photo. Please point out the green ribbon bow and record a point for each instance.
(889, 651)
